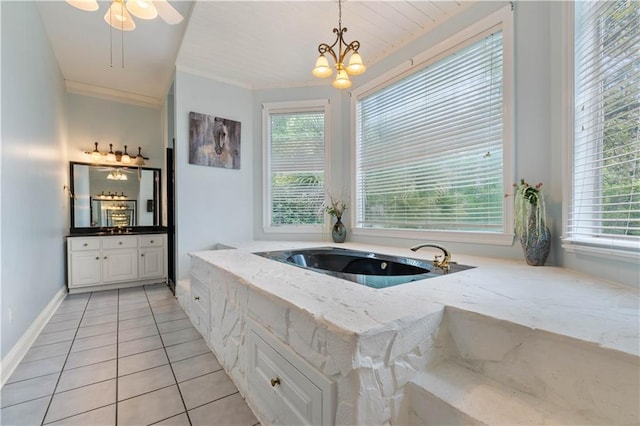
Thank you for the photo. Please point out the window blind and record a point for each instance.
(605, 207)
(429, 147)
(296, 167)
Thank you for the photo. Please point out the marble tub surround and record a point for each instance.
(376, 343)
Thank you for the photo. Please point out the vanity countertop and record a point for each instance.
(101, 232)
(548, 298)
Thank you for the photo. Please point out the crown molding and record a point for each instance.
(112, 94)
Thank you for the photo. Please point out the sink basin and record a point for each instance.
(366, 268)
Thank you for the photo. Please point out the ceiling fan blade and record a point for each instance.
(167, 12)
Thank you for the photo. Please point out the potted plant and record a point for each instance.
(530, 223)
(336, 208)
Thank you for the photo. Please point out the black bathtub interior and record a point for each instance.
(366, 268)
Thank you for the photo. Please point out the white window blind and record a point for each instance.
(605, 208)
(296, 167)
(429, 147)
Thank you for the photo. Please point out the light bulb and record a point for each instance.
(342, 80)
(125, 157)
(355, 67)
(95, 155)
(322, 68)
(86, 5)
(118, 17)
(142, 9)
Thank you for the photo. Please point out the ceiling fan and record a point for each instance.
(119, 13)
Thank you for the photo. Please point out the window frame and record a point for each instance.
(501, 19)
(581, 246)
(316, 105)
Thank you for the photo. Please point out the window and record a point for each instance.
(430, 146)
(295, 175)
(605, 207)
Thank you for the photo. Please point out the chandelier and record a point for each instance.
(355, 66)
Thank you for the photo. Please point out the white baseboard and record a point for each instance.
(19, 350)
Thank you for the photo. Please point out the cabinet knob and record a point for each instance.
(141, 254)
(97, 257)
(120, 242)
(151, 241)
(105, 257)
(85, 244)
(196, 298)
(275, 382)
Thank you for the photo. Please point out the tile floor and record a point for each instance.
(121, 357)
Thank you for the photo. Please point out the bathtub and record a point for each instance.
(362, 267)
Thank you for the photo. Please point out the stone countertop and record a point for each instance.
(549, 298)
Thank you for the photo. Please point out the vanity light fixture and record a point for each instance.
(117, 156)
(110, 196)
(355, 66)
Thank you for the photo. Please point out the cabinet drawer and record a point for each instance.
(151, 240)
(201, 314)
(119, 242)
(289, 389)
(78, 244)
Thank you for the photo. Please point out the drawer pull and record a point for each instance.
(151, 241)
(120, 242)
(275, 382)
(196, 298)
(85, 244)
(97, 257)
(105, 257)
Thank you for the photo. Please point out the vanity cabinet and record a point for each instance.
(107, 262)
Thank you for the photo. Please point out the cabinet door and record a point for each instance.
(120, 265)
(85, 268)
(151, 263)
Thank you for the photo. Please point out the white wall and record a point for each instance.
(34, 206)
(212, 204)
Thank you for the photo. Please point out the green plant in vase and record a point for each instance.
(530, 223)
(336, 209)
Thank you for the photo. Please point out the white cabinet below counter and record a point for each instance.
(115, 261)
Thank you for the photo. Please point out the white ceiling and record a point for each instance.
(254, 44)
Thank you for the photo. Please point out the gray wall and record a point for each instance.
(34, 171)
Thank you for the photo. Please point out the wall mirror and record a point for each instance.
(108, 196)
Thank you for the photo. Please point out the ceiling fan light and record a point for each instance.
(118, 17)
(142, 9)
(342, 80)
(86, 5)
(322, 68)
(355, 67)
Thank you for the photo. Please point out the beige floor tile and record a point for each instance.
(93, 342)
(87, 375)
(26, 390)
(137, 333)
(105, 416)
(229, 411)
(150, 407)
(91, 356)
(181, 336)
(47, 351)
(207, 388)
(179, 420)
(28, 414)
(196, 366)
(138, 346)
(80, 400)
(143, 361)
(144, 381)
(29, 370)
(187, 350)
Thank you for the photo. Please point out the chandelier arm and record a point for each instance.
(325, 48)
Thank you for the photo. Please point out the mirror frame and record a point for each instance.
(157, 191)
